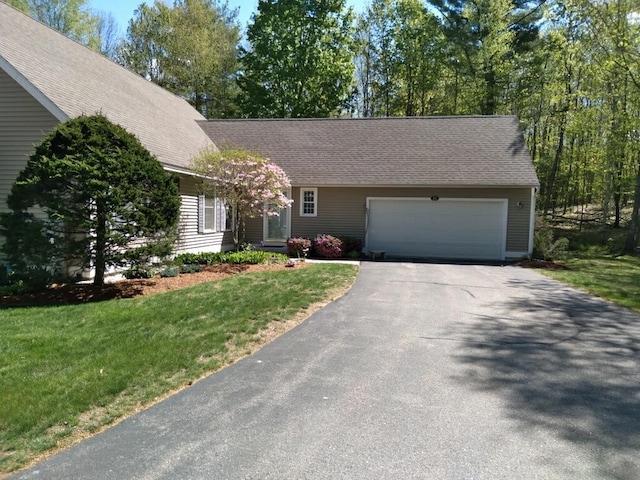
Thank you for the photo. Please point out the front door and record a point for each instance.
(277, 227)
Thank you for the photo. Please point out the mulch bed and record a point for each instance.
(549, 264)
(81, 293)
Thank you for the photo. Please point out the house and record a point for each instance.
(45, 79)
(450, 187)
(454, 187)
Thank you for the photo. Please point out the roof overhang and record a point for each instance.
(33, 91)
(181, 170)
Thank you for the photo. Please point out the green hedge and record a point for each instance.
(253, 257)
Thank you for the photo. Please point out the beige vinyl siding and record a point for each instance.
(342, 212)
(23, 124)
(254, 229)
(190, 239)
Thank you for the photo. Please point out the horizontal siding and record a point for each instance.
(190, 240)
(342, 211)
(23, 124)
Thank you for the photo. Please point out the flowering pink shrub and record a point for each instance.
(328, 246)
(298, 247)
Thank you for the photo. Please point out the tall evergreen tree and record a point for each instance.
(90, 196)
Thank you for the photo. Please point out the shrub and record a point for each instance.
(352, 244)
(546, 246)
(355, 255)
(203, 258)
(5, 275)
(255, 257)
(328, 246)
(170, 272)
(138, 271)
(190, 268)
(248, 256)
(298, 247)
(89, 175)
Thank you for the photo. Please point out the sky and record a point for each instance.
(122, 10)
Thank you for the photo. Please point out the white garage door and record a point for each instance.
(445, 228)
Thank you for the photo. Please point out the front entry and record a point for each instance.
(278, 227)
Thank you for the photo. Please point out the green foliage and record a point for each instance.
(546, 246)
(352, 244)
(190, 268)
(203, 258)
(169, 272)
(188, 48)
(254, 257)
(87, 198)
(138, 271)
(299, 61)
(399, 59)
(73, 18)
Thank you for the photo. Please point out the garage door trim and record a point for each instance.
(503, 220)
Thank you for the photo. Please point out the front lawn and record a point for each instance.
(614, 278)
(66, 371)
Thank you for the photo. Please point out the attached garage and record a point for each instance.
(464, 228)
(445, 187)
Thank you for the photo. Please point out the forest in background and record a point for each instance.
(569, 70)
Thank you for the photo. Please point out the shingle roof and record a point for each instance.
(79, 81)
(436, 151)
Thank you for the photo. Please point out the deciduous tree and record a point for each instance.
(249, 184)
(72, 18)
(299, 62)
(189, 48)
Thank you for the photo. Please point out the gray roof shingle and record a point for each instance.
(415, 151)
(79, 81)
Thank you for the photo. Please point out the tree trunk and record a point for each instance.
(101, 242)
(550, 201)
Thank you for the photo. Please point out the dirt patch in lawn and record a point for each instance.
(81, 293)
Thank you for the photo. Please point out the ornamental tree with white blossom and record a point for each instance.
(248, 183)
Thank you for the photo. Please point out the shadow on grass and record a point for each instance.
(567, 363)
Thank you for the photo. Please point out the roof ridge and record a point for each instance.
(94, 52)
(394, 118)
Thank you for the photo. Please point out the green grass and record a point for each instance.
(614, 278)
(69, 370)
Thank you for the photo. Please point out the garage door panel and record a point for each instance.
(444, 228)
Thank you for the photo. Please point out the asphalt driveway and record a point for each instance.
(421, 371)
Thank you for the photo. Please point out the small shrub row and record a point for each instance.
(139, 271)
(28, 279)
(324, 246)
(253, 257)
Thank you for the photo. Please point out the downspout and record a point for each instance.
(532, 221)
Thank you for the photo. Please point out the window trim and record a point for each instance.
(202, 210)
(303, 190)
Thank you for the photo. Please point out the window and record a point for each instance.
(214, 215)
(308, 202)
